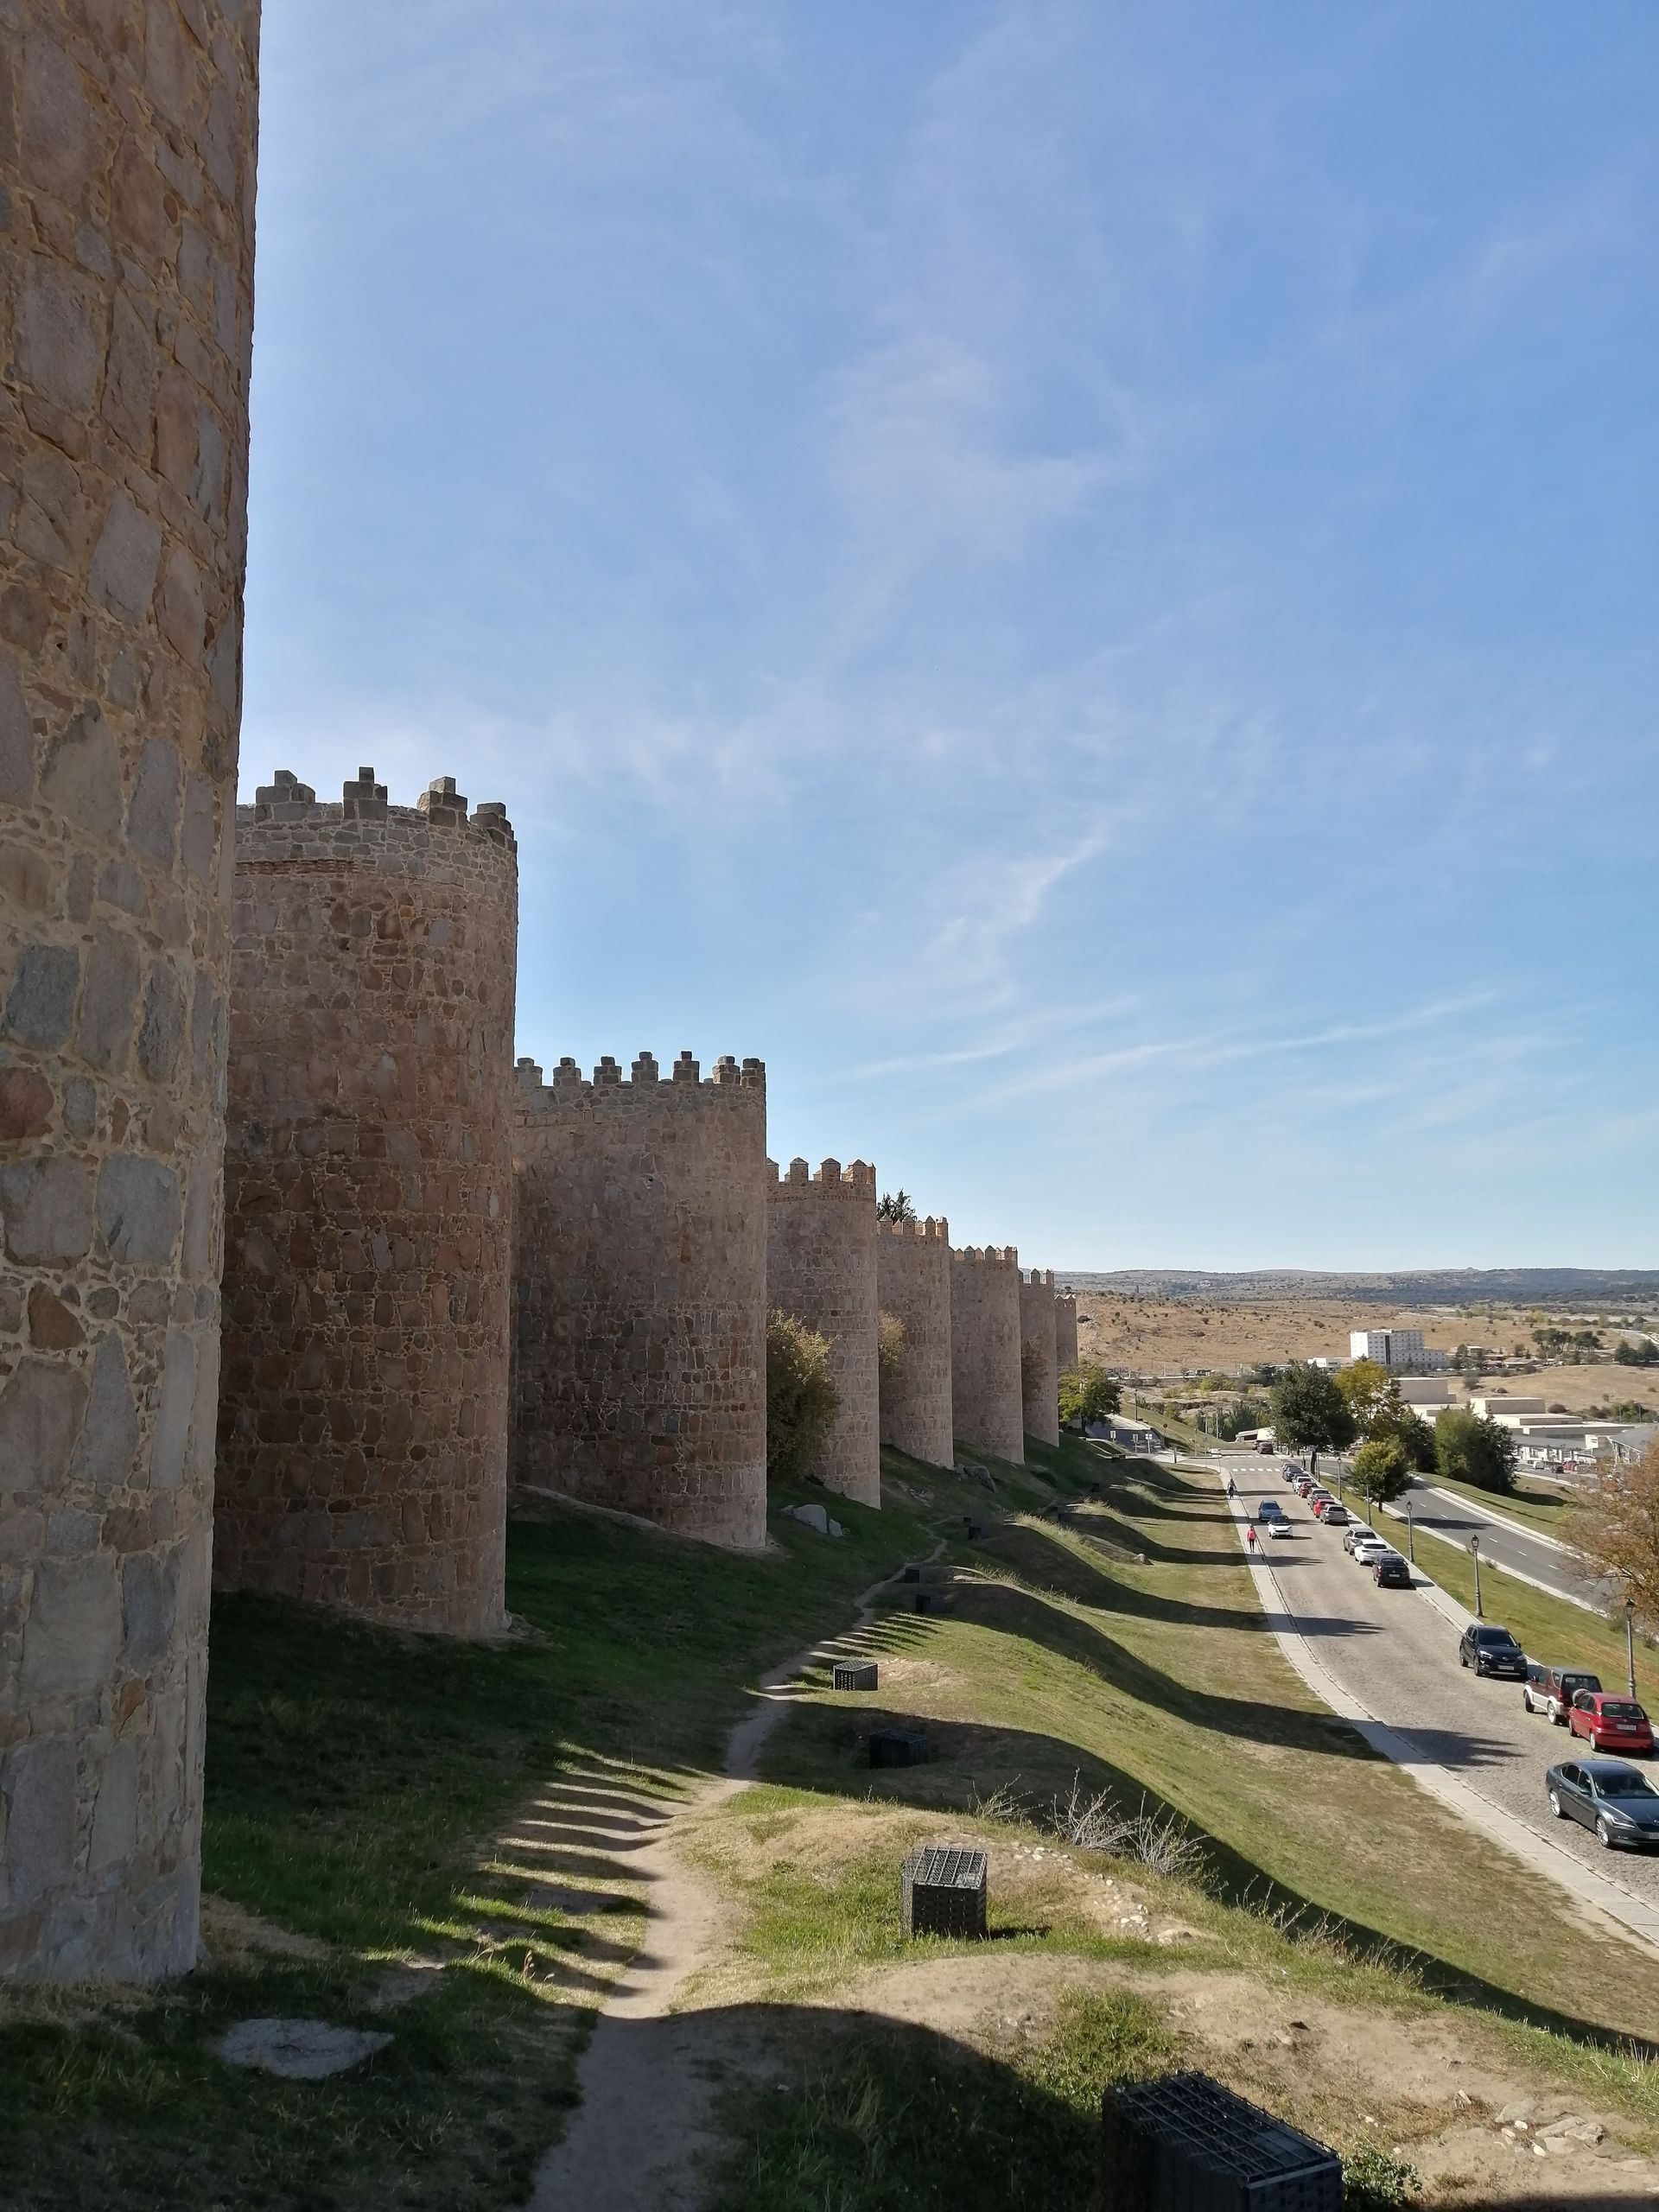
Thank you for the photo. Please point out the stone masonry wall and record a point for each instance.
(913, 1282)
(1038, 1369)
(127, 148)
(641, 1293)
(821, 1266)
(986, 1400)
(1066, 1331)
(363, 1436)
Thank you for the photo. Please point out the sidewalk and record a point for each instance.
(1586, 1884)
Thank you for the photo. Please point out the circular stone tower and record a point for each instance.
(1065, 1333)
(913, 1285)
(126, 272)
(987, 1402)
(821, 1266)
(1039, 1374)
(363, 1434)
(641, 1293)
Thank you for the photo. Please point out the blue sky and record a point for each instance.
(1082, 578)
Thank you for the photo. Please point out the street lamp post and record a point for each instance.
(1630, 1641)
(1411, 1535)
(1474, 1548)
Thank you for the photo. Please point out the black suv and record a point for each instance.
(1491, 1651)
(1392, 1573)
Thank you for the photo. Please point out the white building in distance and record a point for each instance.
(1393, 1348)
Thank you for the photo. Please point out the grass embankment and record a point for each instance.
(355, 1779)
(1067, 1658)
(1550, 1630)
(1530, 1503)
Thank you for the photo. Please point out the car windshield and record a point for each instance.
(1620, 1708)
(1622, 1781)
(1497, 1635)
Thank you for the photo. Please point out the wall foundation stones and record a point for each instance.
(1039, 1372)
(821, 1266)
(363, 1446)
(126, 295)
(641, 1291)
(987, 1402)
(913, 1284)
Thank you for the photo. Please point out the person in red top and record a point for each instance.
(1250, 1536)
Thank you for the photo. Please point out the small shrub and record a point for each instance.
(1094, 1823)
(802, 1400)
(1373, 2179)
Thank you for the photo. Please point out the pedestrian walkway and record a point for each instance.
(1586, 1884)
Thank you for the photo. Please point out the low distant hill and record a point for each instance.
(1410, 1286)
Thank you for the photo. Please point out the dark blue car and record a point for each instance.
(1615, 1800)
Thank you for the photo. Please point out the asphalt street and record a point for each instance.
(1448, 1515)
(1394, 1652)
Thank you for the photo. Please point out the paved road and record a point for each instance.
(1444, 1511)
(1393, 1650)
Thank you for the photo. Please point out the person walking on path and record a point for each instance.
(1249, 1536)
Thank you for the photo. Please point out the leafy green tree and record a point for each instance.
(1087, 1393)
(1366, 1388)
(1381, 1473)
(802, 1400)
(889, 1345)
(1309, 1413)
(1411, 1432)
(1248, 1412)
(1471, 1448)
(895, 1206)
(1643, 1354)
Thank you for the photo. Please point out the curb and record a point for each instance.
(1583, 1884)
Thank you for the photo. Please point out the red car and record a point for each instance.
(1610, 1723)
(1321, 1499)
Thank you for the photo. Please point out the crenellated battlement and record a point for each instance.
(857, 1181)
(991, 1255)
(1041, 1280)
(287, 804)
(646, 1079)
(939, 1228)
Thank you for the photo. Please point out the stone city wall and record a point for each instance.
(363, 1416)
(641, 1291)
(821, 1266)
(1066, 1331)
(913, 1283)
(986, 1400)
(1039, 1371)
(126, 305)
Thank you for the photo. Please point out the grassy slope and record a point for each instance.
(1159, 1682)
(1533, 1504)
(1550, 1629)
(354, 1778)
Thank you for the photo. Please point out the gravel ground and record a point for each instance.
(1400, 1658)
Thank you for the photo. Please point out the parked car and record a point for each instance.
(1336, 1516)
(1534, 1690)
(1492, 1650)
(1357, 1533)
(1391, 1572)
(1561, 1686)
(1616, 1801)
(1304, 1486)
(1321, 1501)
(1369, 1549)
(1610, 1723)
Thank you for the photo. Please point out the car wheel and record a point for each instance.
(1556, 1807)
(1603, 1836)
(1462, 1658)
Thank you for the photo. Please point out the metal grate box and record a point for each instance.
(898, 1747)
(854, 1674)
(942, 1892)
(1184, 2143)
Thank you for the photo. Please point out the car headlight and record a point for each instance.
(1620, 1820)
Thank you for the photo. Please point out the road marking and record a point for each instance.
(1500, 1566)
(1498, 1520)
(1534, 1848)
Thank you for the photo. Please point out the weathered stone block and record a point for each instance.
(46, 1206)
(138, 1214)
(73, 1631)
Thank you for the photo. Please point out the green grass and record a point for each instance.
(1531, 1504)
(354, 1780)
(1551, 1630)
(1159, 1683)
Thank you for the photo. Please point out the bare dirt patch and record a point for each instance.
(1444, 2097)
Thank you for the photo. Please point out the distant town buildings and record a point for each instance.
(1401, 1348)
